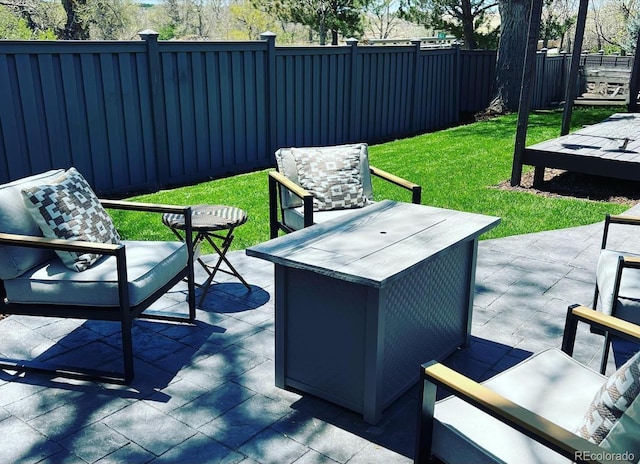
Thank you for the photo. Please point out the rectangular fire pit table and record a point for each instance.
(361, 301)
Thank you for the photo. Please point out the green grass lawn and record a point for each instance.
(458, 168)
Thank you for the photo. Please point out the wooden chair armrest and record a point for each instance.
(399, 181)
(148, 207)
(290, 185)
(597, 320)
(158, 208)
(630, 262)
(527, 422)
(60, 244)
(617, 219)
(277, 180)
(624, 219)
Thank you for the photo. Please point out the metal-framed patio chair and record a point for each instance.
(79, 274)
(547, 408)
(315, 184)
(617, 289)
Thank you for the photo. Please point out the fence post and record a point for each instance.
(272, 134)
(458, 77)
(157, 108)
(542, 83)
(353, 101)
(416, 101)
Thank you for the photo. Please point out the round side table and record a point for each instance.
(210, 223)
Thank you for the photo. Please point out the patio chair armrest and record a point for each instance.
(525, 421)
(597, 320)
(277, 180)
(145, 207)
(290, 185)
(617, 219)
(624, 219)
(158, 208)
(60, 244)
(415, 189)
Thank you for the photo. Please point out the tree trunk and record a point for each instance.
(322, 33)
(514, 15)
(334, 37)
(468, 26)
(74, 28)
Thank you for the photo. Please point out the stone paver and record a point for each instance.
(206, 393)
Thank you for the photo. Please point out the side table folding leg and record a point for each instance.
(211, 222)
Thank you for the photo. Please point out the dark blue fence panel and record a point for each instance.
(383, 87)
(311, 102)
(477, 78)
(554, 78)
(85, 105)
(144, 115)
(214, 108)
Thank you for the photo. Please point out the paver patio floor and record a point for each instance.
(206, 394)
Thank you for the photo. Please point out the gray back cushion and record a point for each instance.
(15, 219)
(286, 165)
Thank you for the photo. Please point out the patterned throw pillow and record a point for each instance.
(611, 401)
(332, 176)
(68, 209)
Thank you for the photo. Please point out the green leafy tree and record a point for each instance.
(556, 20)
(42, 18)
(249, 22)
(335, 17)
(633, 28)
(109, 19)
(75, 28)
(12, 26)
(16, 23)
(464, 19)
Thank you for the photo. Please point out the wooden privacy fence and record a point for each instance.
(142, 115)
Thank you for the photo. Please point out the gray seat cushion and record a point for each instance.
(16, 219)
(150, 265)
(628, 304)
(549, 383)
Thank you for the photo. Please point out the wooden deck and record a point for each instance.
(610, 148)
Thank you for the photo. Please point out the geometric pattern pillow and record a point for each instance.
(332, 176)
(68, 209)
(611, 401)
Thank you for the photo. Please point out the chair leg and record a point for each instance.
(273, 208)
(424, 432)
(605, 353)
(127, 349)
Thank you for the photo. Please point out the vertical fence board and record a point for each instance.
(212, 79)
(15, 161)
(50, 117)
(75, 116)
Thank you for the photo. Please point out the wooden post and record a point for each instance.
(528, 71)
(634, 81)
(570, 89)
